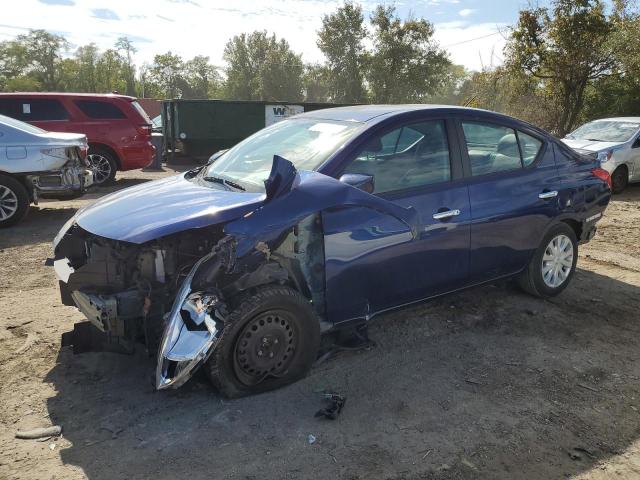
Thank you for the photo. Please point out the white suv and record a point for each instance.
(35, 163)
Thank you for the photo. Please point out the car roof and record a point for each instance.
(372, 113)
(67, 94)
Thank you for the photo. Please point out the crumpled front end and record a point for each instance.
(173, 293)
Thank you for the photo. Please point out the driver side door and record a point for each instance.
(372, 261)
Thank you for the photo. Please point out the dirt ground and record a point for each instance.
(488, 383)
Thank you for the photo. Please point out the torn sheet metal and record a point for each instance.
(291, 197)
(309, 193)
(190, 335)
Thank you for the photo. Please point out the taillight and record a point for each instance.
(602, 174)
(83, 151)
(144, 129)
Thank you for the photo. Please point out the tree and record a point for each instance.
(341, 40)
(565, 49)
(406, 64)
(165, 75)
(84, 77)
(109, 68)
(125, 46)
(202, 78)
(13, 61)
(315, 83)
(450, 92)
(37, 55)
(260, 67)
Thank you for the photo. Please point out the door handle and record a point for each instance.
(446, 214)
(547, 195)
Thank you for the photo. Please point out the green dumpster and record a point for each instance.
(199, 128)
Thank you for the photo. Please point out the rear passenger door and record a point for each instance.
(513, 193)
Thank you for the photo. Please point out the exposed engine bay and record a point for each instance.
(174, 293)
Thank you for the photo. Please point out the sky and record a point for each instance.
(472, 31)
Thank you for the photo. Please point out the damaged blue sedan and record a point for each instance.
(318, 223)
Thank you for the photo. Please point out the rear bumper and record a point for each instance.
(137, 155)
(68, 180)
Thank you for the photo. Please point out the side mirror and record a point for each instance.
(216, 156)
(358, 180)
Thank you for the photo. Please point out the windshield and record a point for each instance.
(17, 124)
(606, 131)
(306, 143)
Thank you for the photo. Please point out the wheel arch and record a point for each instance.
(575, 225)
(108, 149)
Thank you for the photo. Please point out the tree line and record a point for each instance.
(563, 64)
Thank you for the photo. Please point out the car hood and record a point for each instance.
(155, 209)
(590, 144)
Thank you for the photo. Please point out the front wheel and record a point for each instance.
(14, 201)
(553, 264)
(269, 340)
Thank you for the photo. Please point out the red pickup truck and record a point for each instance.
(117, 128)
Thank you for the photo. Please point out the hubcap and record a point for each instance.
(265, 347)
(8, 202)
(100, 167)
(557, 261)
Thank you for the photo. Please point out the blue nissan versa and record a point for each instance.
(318, 223)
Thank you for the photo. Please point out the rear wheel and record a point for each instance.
(103, 166)
(271, 339)
(14, 201)
(619, 179)
(553, 264)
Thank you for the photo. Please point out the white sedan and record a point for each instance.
(35, 163)
(616, 143)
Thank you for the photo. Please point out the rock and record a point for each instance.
(53, 431)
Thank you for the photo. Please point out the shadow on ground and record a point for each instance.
(488, 383)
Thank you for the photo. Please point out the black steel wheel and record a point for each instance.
(265, 347)
(270, 339)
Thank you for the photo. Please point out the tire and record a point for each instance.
(103, 165)
(619, 179)
(533, 281)
(14, 201)
(282, 317)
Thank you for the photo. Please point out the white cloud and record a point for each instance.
(474, 46)
(202, 27)
(465, 12)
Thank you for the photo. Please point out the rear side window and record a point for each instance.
(33, 110)
(141, 111)
(493, 148)
(100, 110)
(530, 147)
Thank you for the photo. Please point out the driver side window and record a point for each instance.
(413, 155)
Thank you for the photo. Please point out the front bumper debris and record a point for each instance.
(193, 329)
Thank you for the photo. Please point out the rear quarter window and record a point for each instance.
(100, 110)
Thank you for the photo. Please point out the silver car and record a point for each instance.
(616, 143)
(35, 163)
